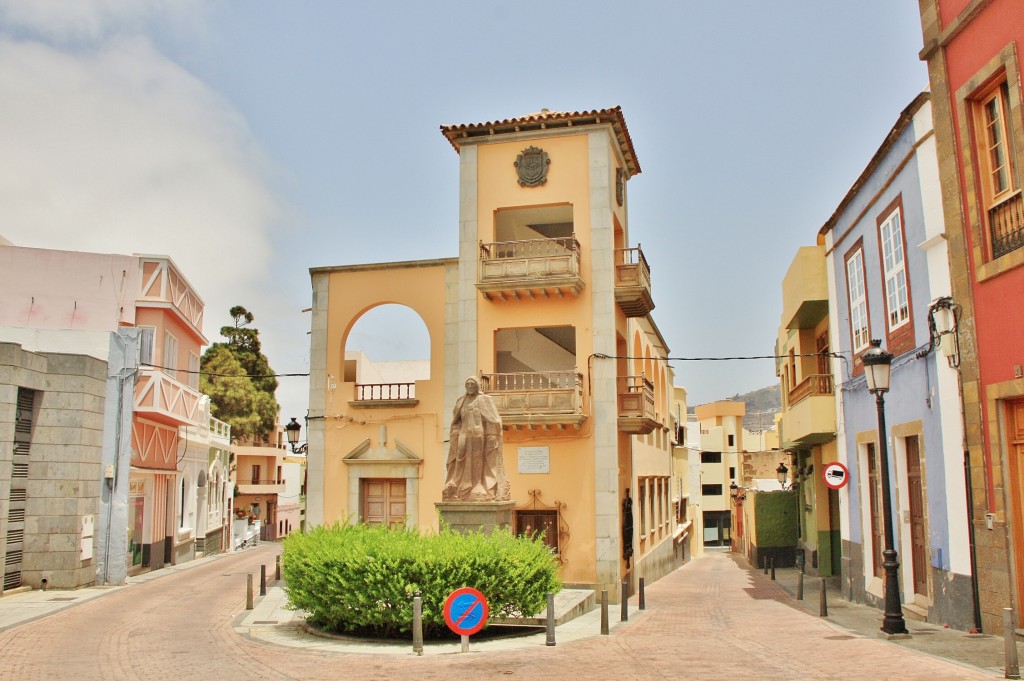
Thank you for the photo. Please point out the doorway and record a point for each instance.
(918, 532)
(717, 528)
(383, 502)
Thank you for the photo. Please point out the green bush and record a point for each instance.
(362, 579)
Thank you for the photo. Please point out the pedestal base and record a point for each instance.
(479, 516)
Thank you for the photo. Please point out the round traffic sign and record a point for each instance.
(836, 475)
(466, 611)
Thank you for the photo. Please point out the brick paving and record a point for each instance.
(711, 619)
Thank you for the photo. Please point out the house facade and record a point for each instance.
(141, 320)
(548, 305)
(973, 51)
(807, 427)
(889, 279)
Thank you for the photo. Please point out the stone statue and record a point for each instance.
(476, 465)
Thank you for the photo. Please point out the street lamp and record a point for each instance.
(292, 430)
(877, 369)
(782, 473)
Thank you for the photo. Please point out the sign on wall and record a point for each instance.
(534, 460)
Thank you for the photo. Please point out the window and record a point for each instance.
(711, 490)
(732, 472)
(170, 360)
(857, 298)
(732, 440)
(897, 303)
(642, 503)
(711, 457)
(255, 475)
(1002, 200)
(146, 338)
(533, 522)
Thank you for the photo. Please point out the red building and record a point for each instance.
(973, 49)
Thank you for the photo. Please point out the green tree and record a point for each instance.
(238, 378)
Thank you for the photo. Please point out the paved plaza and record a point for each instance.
(713, 618)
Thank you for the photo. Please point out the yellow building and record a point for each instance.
(808, 425)
(549, 305)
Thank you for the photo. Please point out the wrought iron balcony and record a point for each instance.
(1006, 222)
(384, 395)
(633, 282)
(542, 399)
(530, 269)
(165, 400)
(636, 405)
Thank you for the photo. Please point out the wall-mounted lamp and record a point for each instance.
(737, 493)
(783, 474)
(292, 430)
(943, 327)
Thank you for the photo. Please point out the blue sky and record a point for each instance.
(253, 140)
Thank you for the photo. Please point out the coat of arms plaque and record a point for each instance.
(532, 166)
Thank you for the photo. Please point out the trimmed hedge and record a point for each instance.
(362, 579)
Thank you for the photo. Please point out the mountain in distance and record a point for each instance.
(762, 405)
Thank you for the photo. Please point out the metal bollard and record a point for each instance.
(764, 564)
(773, 568)
(642, 601)
(624, 615)
(800, 586)
(550, 641)
(822, 603)
(277, 568)
(1012, 670)
(263, 580)
(248, 591)
(417, 625)
(604, 612)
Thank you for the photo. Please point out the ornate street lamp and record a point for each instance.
(292, 430)
(783, 474)
(877, 369)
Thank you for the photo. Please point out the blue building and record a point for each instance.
(888, 272)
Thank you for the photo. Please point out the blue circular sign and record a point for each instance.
(466, 611)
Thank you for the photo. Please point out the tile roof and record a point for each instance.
(548, 120)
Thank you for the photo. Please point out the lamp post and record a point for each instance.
(877, 368)
(292, 430)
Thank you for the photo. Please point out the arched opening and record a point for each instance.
(386, 351)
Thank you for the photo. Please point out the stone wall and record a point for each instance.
(64, 469)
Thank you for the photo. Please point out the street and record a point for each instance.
(707, 620)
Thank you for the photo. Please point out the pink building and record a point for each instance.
(142, 492)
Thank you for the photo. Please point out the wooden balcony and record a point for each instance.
(384, 396)
(1006, 223)
(810, 417)
(164, 400)
(636, 405)
(530, 269)
(633, 282)
(543, 399)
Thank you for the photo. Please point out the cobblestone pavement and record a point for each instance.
(713, 618)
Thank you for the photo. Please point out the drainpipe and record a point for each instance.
(971, 541)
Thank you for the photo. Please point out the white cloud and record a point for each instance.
(110, 146)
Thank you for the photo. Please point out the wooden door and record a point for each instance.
(384, 502)
(918, 528)
(1015, 446)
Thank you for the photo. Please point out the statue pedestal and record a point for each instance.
(473, 516)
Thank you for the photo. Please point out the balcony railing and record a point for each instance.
(164, 399)
(259, 482)
(636, 405)
(543, 398)
(529, 268)
(385, 391)
(1006, 222)
(384, 395)
(633, 282)
(813, 385)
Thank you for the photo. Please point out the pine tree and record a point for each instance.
(238, 378)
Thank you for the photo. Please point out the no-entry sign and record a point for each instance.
(836, 475)
(465, 611)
